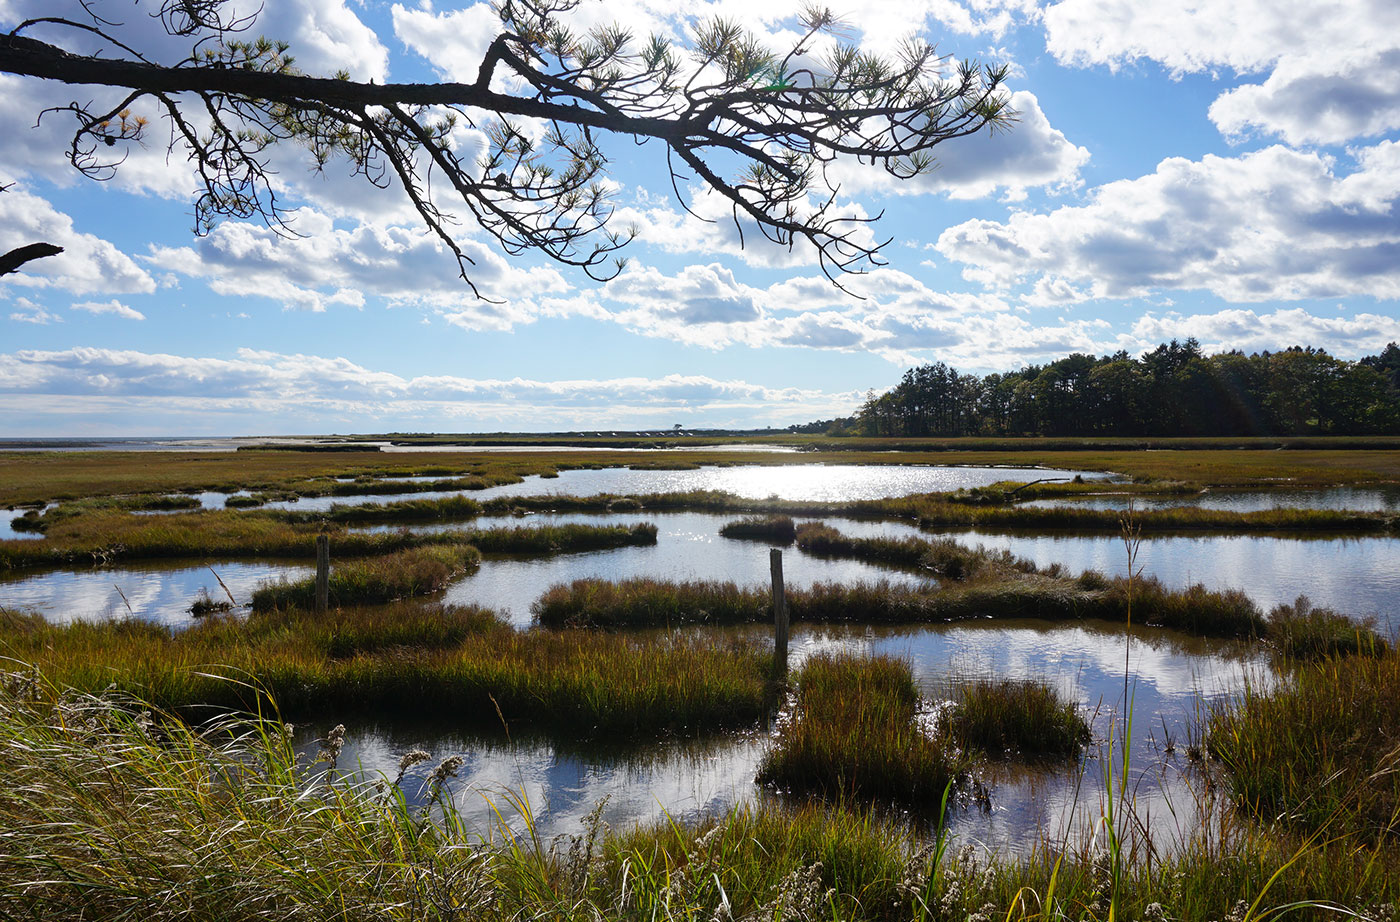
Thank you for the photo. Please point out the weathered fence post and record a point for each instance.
(323, 572)
(780, 612)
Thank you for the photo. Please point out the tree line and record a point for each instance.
(1173, 390)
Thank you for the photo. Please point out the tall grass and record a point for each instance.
(854, 733)
(110, 536)
(113, 810)
(404, 659)
(1305, 631)
(646, 602)
(1001, 716)
(779, 529)
(998, 584)
(402, 575)
(1320, 752)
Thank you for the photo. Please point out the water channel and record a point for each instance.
(1170, 675)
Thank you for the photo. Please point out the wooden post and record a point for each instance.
(780, 612)
(323, 573)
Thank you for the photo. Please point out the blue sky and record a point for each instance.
(1229, 171)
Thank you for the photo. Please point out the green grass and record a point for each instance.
(1321, 752)
(778, 529)
(853, 733)
(1004, 716)
(403, 659)
(549, 539)
(1305, 631)
(111, 536)
(936, 513)
(52, 476)
(645, 602)
(112, 812)
(402, 575)
(997, 584)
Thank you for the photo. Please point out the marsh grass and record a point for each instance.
(1000, 585)
(853, 733)
(113, 536)
(549, 539)
(936, 513)
(1016, 716)
(646, 602)
(1321, 751)
(778, 529)
(114, 810)
(39, 520)
(401, 575)
(1305, 631)
(397, 658)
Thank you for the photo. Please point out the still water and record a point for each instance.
(1377, 498)
(161, 592)
(1357, 576)
(816, 482)
(561, 782)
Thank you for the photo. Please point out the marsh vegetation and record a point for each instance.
(1291, 774)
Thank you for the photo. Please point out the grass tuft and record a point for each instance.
(854, 733)
(1001, 716)
(1305, 631)
(778, 529)
(404, 575)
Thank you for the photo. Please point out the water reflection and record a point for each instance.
(159, 592)
(1378, 498)
(7, 517)
(683, 779)
(816, 482)
(1357, 576)
(688, 547)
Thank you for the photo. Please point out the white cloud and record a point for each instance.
(258, 388)
(453, 42)
(1243, 35)
(1325, 97)
(1252, 332)
(1275, 224)
(1030, 154)
(109, 307)
(27, 311)
(88, 264)
(343, 263)
(1333, 64)
(709, 227)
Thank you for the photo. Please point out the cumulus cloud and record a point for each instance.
(1320, 98)
(1332, 66)
(87, 265)
(1275, 224)
(1031, 154)
(341, 263)
(453, 42)
(27, 311)
(1252, 332)
(697, 296)
(113, 307)
(708, 225)
(256, 388)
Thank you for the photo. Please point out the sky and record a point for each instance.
(1225, 169)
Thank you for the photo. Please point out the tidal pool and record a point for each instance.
(7, 517)
(1355, 576)
(560, 782)
(152, 591)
